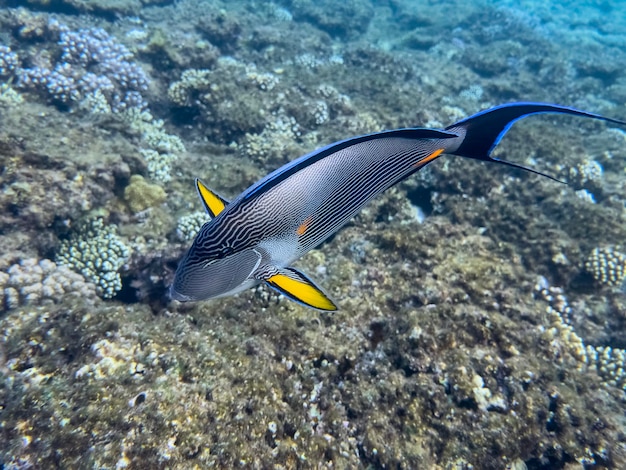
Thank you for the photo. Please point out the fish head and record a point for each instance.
(206, 272)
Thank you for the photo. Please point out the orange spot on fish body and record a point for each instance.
(303, 227)
(429, 158)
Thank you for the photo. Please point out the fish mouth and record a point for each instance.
(175, 295)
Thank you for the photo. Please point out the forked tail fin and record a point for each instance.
(484, 130)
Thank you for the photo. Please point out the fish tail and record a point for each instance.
(484, 130)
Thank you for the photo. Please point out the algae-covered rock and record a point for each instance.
(141, 195)
(99, 7)
(343, 19)
(223, 29)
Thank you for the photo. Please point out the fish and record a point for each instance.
(256, 237)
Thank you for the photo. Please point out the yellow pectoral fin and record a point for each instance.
(213, 203)
(301, 290)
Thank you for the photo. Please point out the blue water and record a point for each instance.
(481, 308)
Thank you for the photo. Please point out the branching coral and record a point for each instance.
(97, 252)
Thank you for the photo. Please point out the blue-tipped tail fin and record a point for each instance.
(484, 130)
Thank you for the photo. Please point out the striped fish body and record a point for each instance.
(289, 218)
(292, 210)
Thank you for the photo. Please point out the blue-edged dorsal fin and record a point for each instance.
(213, 202)
(293, 284)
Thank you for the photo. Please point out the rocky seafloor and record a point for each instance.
(482, 317)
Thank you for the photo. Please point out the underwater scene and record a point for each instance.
(472, 316)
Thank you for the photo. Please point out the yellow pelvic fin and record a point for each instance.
(297, 287)
(429, 158)
(213, 203)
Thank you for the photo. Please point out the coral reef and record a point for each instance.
(141, 195)
(37, 282)
(453, 347)
(158, 148)
(9, 61)
(191, 81)
(94, 250)
(610, 363)
(9, 97)
(350, 388)
(587, 174)
(189, 225)
(93, 70)
(278, 140)
(607, 266)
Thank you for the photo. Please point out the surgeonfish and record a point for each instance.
(257, 237)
